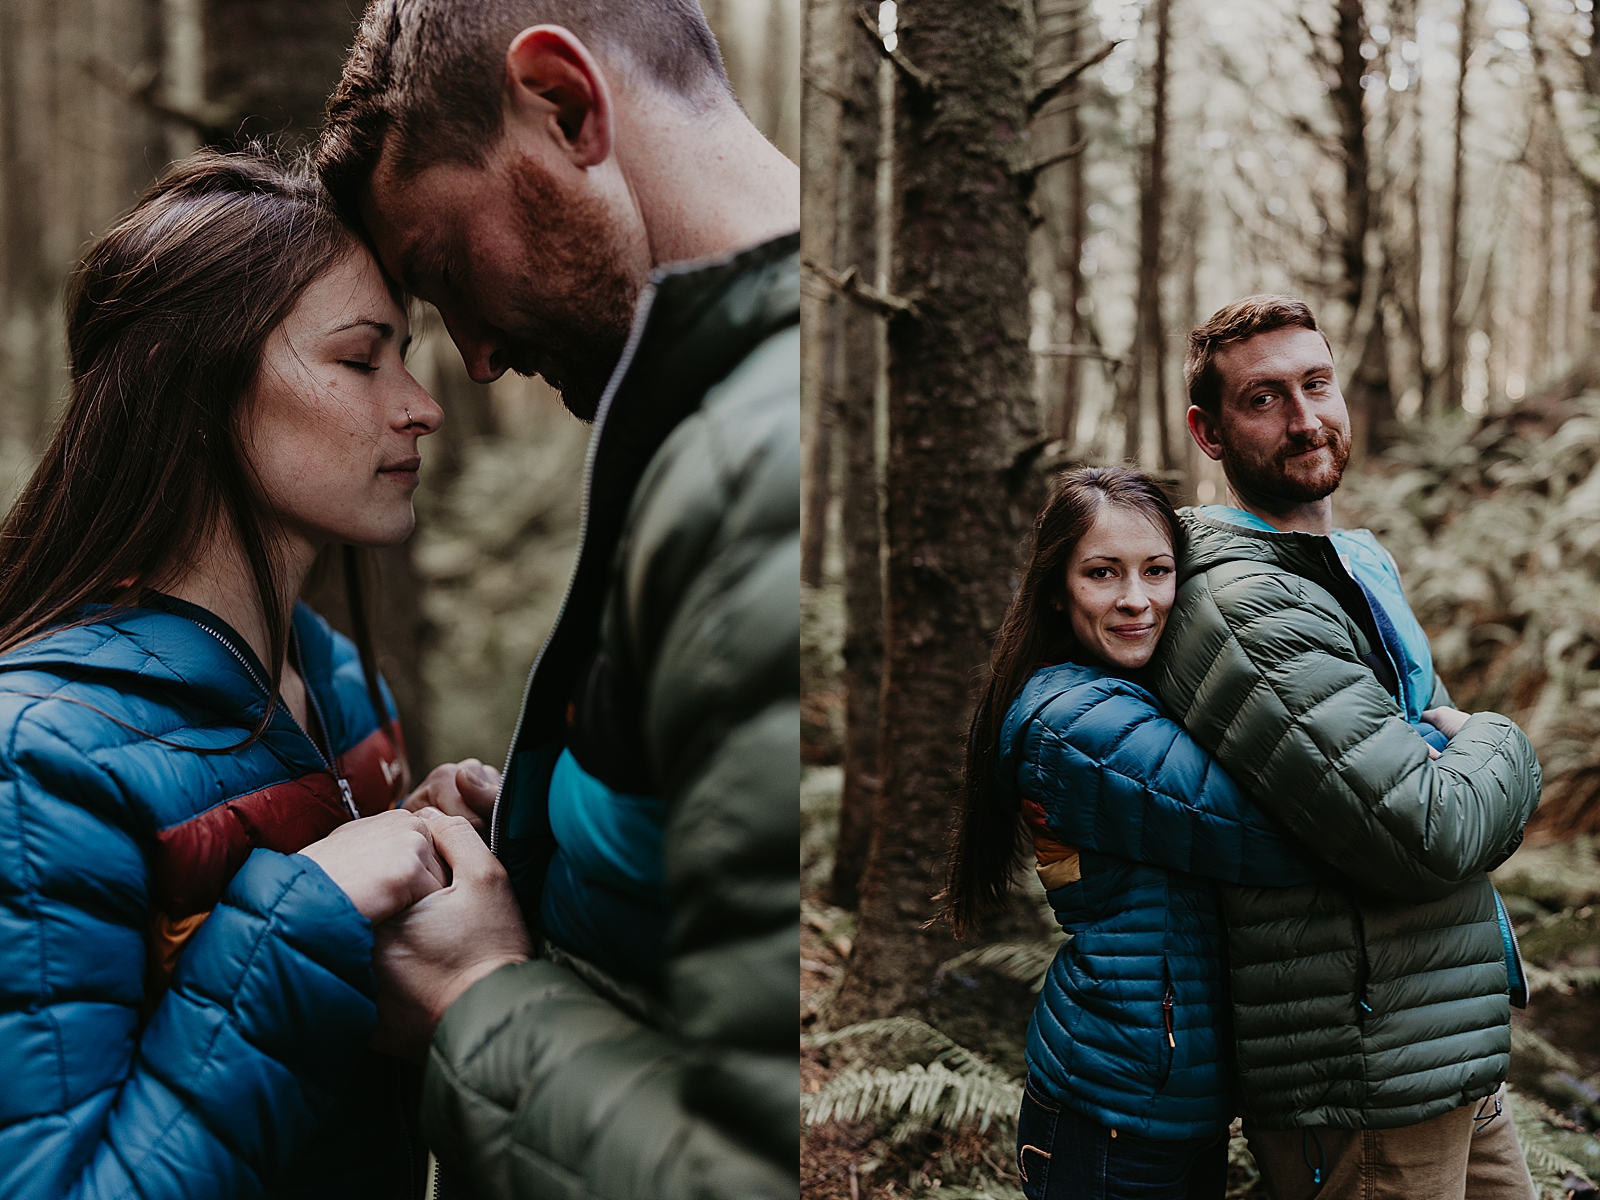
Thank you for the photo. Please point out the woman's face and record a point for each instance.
(1121, 581)
(332, 421)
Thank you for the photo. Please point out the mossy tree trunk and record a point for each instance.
(959, 412)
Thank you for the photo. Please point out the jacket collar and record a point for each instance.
(694, 324)
(1210, 542)
(170, 643)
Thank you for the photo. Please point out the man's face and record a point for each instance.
(534, 268)
(1283, 426)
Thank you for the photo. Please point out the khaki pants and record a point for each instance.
(1457, 1156)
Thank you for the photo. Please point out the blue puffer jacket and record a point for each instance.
(184, 1000)
(1132, 823)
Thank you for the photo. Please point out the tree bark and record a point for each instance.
(819, 141)
(857, 370)
(959, 410)
(1147, 378)
(1452, 333)
(1367, 390)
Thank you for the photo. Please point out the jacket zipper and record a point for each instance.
(641, 317)
(1166, 1017)
(344, 785)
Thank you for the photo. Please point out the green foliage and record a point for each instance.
(1549, 1148)
(1024, 962)
(819, 825)
(1552, 938)
(951, 1089)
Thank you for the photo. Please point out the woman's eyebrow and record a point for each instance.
(385, 330)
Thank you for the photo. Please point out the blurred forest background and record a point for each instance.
(98, 96)
(1014, 212)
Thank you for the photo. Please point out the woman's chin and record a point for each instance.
(1129, 657)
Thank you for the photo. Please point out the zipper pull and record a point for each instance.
(349, 797)
(1166, 1016)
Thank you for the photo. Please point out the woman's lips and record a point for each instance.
(404, 472)
(1131, 632)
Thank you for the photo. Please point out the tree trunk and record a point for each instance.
(1059, 213)
(1367, 390)
(959, 411)
(1452, 334)
(857, 370)
(1148, 376)
(819, 141)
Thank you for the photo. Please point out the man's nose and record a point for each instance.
(482, 347)
(1302, 416)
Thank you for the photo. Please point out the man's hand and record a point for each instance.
(1447, 721)
(464, 789)
(383, 863)
(446, 942)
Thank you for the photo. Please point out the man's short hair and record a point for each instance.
(1234, 323)
(432, 72)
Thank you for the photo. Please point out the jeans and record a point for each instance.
(1063, 1156)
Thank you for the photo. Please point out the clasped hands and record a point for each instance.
(440, 903)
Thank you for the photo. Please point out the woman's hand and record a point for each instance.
(384, 863)
(464, 789)
(1447, 721)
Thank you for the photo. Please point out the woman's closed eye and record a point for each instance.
(358, 364)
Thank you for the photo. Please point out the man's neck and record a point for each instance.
(1315, 517)
(706, 185)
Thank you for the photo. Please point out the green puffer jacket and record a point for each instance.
(1379, 1000)
(673, 671)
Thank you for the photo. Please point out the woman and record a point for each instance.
(1132, 825)
(187, 1001)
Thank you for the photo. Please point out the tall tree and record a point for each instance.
(959, 411)
(1146, 378)
(1367, 386)
(857, 372)
(1453, 333)
(819, 148)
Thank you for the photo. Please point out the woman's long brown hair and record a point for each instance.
(166, 319)
(987, 845)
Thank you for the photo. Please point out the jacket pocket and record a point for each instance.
(1167, 1049)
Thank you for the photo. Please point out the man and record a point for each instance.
(1371, 1012)
(574, 186)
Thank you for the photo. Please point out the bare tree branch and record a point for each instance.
(813, 79)
(1049, 91)
(1033, 169)
(922, 79)
(1080, 352)
(848, 283)
(209, 120)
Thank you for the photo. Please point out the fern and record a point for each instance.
(954, 1088)
(946, 1050)
(923, 1097)
(1025, 962)
(1548, 1165)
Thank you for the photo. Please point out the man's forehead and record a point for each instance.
(1288, 353)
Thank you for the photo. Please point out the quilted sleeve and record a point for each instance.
(1266, 675)
(270, 1004)
(1112, 774)
(538, 1085)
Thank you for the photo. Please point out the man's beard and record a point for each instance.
(1265, 480)
(574, 332)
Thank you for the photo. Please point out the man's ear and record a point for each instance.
(553, 83)
(1203, 428)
